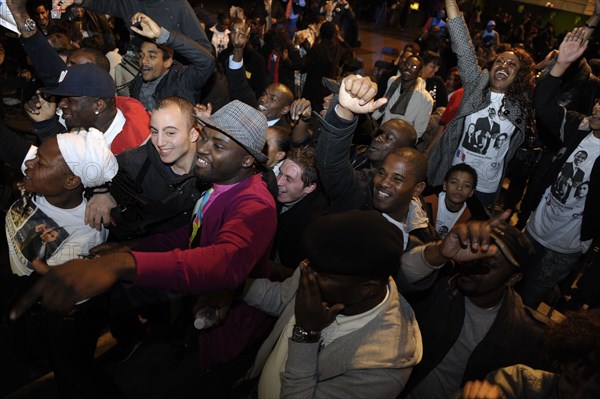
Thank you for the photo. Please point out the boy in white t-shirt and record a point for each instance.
(455, 204)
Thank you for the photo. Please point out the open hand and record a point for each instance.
(311, 313)
(572, 47)
(40, 108)
(471, 241)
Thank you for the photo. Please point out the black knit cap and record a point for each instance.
(354, 243)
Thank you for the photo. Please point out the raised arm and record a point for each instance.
(44, 58)
(356, 96)
(570, 50)
(461, 43)
(201, 60)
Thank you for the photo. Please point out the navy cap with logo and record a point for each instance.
(83, 80)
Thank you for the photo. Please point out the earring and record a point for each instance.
(96, 112)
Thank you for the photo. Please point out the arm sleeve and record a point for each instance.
(333, 161)
(300, 378)
(270, 296)
(44, 58)
(463, 48)
(553, 116)
(178, 15)
(423, 114)
(415, 273)
(239, 87)
(224, 264)
(202, 62)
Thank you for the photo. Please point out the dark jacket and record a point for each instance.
(324, 59)
(254, 64)
(564, 126)
(181, 80)
(150, 197)
(291, 224)
(514, 337)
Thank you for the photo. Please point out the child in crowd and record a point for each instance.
(455, 204)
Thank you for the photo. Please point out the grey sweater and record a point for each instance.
(374, 361)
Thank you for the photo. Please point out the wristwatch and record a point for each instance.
(299, 334)
(29, 25)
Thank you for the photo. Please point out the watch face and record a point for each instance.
(299, 334)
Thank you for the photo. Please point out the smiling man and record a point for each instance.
(237, 216)
(159, 76)
(275, 104)
(393, 188)
(155, 188)
(300, 201)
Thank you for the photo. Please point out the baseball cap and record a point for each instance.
(491, 23)
(514, 245)
(83, 80)
(244, 124)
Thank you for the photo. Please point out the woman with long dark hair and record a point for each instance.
(506, 88)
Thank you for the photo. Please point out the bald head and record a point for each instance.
(406, 133)
(395, 133)
(275, 101)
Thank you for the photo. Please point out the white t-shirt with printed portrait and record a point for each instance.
(556, 222)
(484, 144)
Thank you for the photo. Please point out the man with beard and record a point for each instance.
(472, 322)
(234, 225)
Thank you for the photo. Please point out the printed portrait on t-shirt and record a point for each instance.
(487, 129)
(39, 237)
(570, 177)
(485, 143)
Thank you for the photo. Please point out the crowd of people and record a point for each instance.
(346, 235)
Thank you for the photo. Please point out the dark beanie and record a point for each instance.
(354, 243)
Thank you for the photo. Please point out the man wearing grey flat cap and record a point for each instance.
(231, 232)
